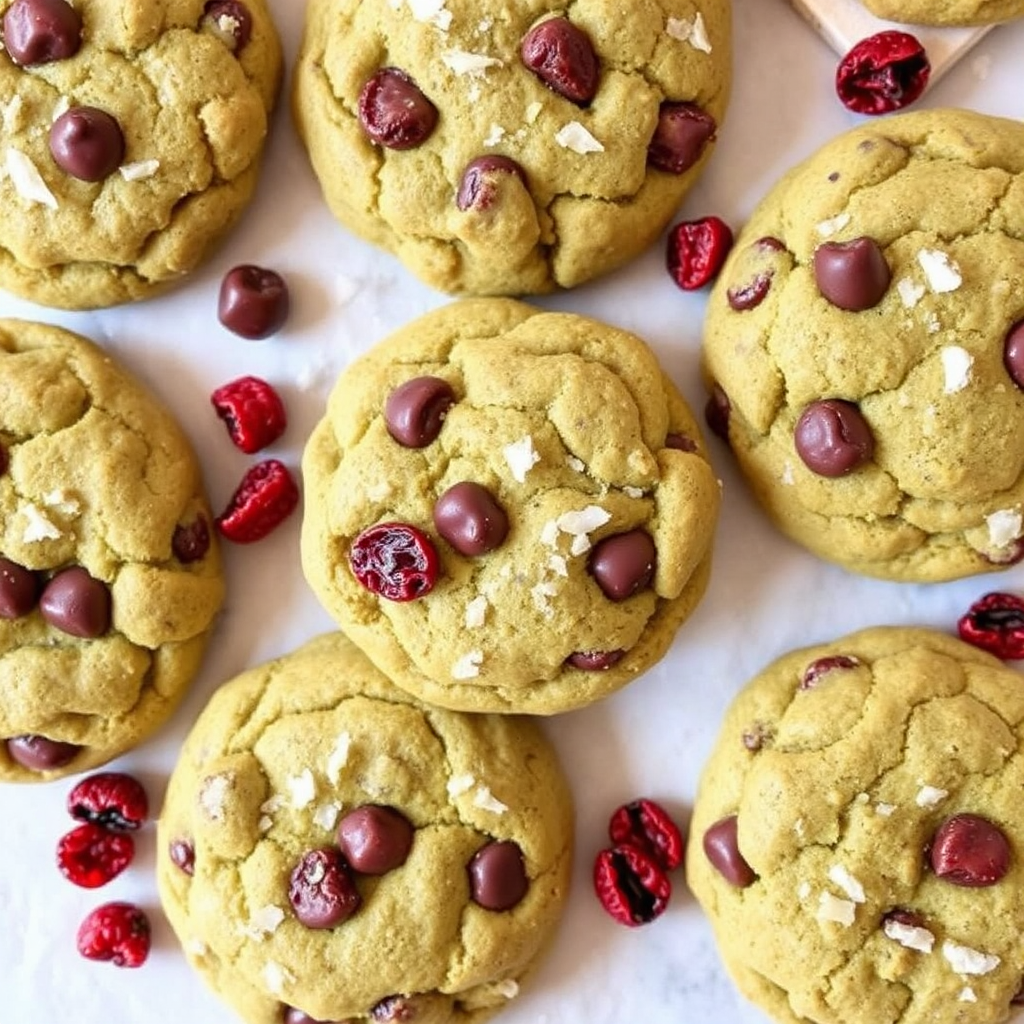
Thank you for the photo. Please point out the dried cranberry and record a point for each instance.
(113, 800)
(753, 291)
(681, 443)
(721, 847)
(717, 412)
(395, 560)
(479, 185)
(968, 850)
(563, 58)
(266, 497)
(631, 885)
(90, 856)
(648, 826)
(118, 932)
(183, 855)
(394, 112)
(191, 542)
(882, 73)
(253, 301)
(833, 438)
(321, 890)
(995, 623)
(813, 673)
(253, 412)
(696, 251)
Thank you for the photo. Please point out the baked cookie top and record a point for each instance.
(857, 840)
(510, 149)
(946, 12)
(131, 133)
(507, 509)
(110, 577)
(330, 849)
(865, 342)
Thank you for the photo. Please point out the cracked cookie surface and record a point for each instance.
(867, 337)
(569, 434)
(110, 578)
(574, 192)
(273, 768)
(846, 771)
(946, 12)
(189, 84)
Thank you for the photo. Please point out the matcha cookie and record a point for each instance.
(507, 509)
(946, 12)
(857, 840)
(332, 850)
(110, 578)
(507, 149)
(865, 347)
(131, 133)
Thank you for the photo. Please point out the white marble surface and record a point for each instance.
(766, 595)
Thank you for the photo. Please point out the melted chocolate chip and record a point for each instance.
(415, 410)
(230, 21)
(832, 438)
(470, 519)
(595, 661)
(375, 839)
(87, 143)
(1013, 354)
(682, 133)
(41, 31)
(717, 412)
(852, 275)
(563, 58)
(394, 112)
(479, 185)
(76, 603)
(817, 669)
(19, 588)
(183, 855)
(321, 890)
(623, 564)
(191, 542)
(497, 876)
(722, 850)
(39, 753)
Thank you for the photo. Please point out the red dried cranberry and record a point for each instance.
(721, 847)
(696, 251)
(563, 58)
(266, 497)
(191, 542)
(253, 301)
(118, 932)
(321, 890)
(395, 560)
(253, 412)
(113, 800)
(968, 850)
(394, 112)
(813, 673)
(995, 623)
(183, 855)
(90, 856)
(631, 885)
(882, 73)
(648, 826)
(752, 292)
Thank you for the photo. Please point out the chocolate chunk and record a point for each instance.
(721, 848)
(415, 410)
(595, 661)
(321, 890)
(394, 112)
(497, 876)
(563, 58)
(87, 143)
(39, 753)
(1013, 354)
(470, 519)
(375, 839)
(76, 603)
(682, 133)
(681, 443)
(478, 187)
(41, 31)
(833, 438)
(623, 564)
(191, 542)
(717, 412)
(183, 855)
(19, 588)
(230, 21)
(253, 302)
(852, 275)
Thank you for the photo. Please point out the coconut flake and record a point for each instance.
(213, 796)
(533, 112)
(495, 135)
(28, 182)
(941, 273)
(276, 977)
(910, 292)
(967, 995)
(838, 874)
(326, 815)
(509, 988)
(37, 526)
(521, 457)
(12, 113)
(957, 363)
(694, 32)
(576, 465)
(476, 612)
(908, 935)
(803, 890)
(633, 492)
(432, 12)
(62, 502)
(379, 492)
(139, 170)
(264, 922)
(542, 593)
(787, 477)
(60, 108)
(549, 534)
(827, 228)
(965, 960)
(583, 521)
(468, 666)
(580, 545)
(338, 757)
(830, 908)
(558, 565)
(462, 62)
(930, 796)
(885, 810)
(1004, 527)
(302, 788)
(487, 801)
(575, 137)
(459, 784)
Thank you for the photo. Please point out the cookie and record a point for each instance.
(330, 849)
(132, 133)
(946, 12)
(508, 510)
(864, 345)
(856, 839)
(110, 578)
(502, 149)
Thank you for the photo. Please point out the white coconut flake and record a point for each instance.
(576, 465)
(694, 32)
(533, 112)
(37, 526)
(910, 292)
(264, 922)
(495, 135)
(487, 801)
(139, 170)
(838, 911)
(932, 323)
(965, 960)
(1004, 527)
(580, 545)
(62, 502)
(956, 363)
(338, 757)
(276, 977)
(509, 988)
(28, 182)
(803, 890)
(474, 92)
(326, 815)
(941, 273)
(787, 477)
(272, 805)
(432, 12)
(549, 534)
(476, 612)
(213, 796)
(558, 565)
(885, 810)
(827, 228)
(583, 521)
(60, 108)
(12, 113)
(462, 62)
(302, 788)
(468, 666)
(542, 594)
(265, 824)
(459, 784)
(380, 491)
(521, 457)
(909, 935)
(838, 874)
(967, 995)
(930, 796)
(633, 492)
(575, 137)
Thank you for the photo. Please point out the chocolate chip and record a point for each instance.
(375, 839)
(679, 139)
(478, 187)
(191, 542)
(19, 588)
(470, 519)
(623, 564)
(41, 31)
(721, 848)
(394, 112)
(970, 851)
(183, 855)
(230, 21)
(253, 302)
(415, 410)
(87, 143)
(833, 438)
(321, 890)
(813, 673)
(497, 876)
(595, 661)
(680, 442)
(563, 58)
(39, 753)
(717, 412)
(76, 603)
(852, 275)
(1013, 354)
